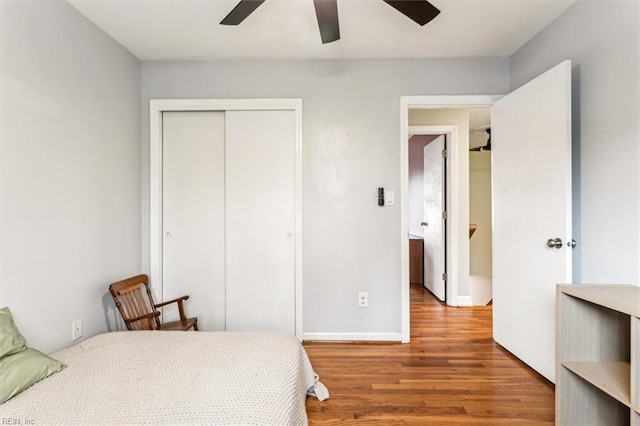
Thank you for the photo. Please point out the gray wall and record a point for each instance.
(602, 40)
(351, 129)
(70, 170)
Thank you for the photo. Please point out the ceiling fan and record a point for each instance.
(420, 11)
(486, 147)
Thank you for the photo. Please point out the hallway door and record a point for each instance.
(434, 224)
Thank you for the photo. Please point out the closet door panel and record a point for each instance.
(260, 220)
(194, 215)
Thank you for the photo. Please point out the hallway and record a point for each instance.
(452, 372)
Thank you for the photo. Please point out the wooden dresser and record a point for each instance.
(416, 260)
(598, 355)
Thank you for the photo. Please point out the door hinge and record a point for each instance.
(444, 276)
(444, 153)
(444, 215)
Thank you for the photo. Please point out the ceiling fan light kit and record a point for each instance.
(419, 11)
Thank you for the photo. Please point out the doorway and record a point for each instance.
(473, 130)
(428, 211)
(457, 202)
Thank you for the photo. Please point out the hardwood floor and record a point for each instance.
(451, 373)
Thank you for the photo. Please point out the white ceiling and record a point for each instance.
(190, 29)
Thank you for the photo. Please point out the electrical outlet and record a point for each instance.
(363, 299)
(76, 329)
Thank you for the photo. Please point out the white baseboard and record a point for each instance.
(366, 337)
(465, 301)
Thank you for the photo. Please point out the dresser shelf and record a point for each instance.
(610, 377)
(598, 355)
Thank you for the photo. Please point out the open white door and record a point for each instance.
(531, 181)
(434, 222)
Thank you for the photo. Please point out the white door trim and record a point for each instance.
(459, 241)
(157, 107)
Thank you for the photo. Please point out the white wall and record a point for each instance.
(480, 252)
(70, 168)
(603, 41)
(351, 146)
(416, 182)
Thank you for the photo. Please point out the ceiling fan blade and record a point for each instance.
(241, 11)
(420, 11)
(327, 14)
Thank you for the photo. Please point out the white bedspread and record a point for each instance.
(169, 377)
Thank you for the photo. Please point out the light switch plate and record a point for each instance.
(390, 199)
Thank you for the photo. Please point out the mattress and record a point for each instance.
(168, 377)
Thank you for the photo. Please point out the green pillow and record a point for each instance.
(21, 370)
(20, 365)
(11, 341)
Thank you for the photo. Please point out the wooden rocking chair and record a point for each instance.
(139, 312)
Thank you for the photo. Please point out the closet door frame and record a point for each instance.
(157, 107)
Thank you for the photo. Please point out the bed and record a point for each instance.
(168, 377)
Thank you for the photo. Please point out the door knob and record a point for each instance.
(554, 243)
(572, 243)
(424, 224)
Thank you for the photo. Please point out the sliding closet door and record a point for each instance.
(193, 222)
(260, 220)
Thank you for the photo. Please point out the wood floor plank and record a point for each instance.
(452, 373)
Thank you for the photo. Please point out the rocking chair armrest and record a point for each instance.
(141, 317)
(145, 316)
(176, 300)
(179, 301)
